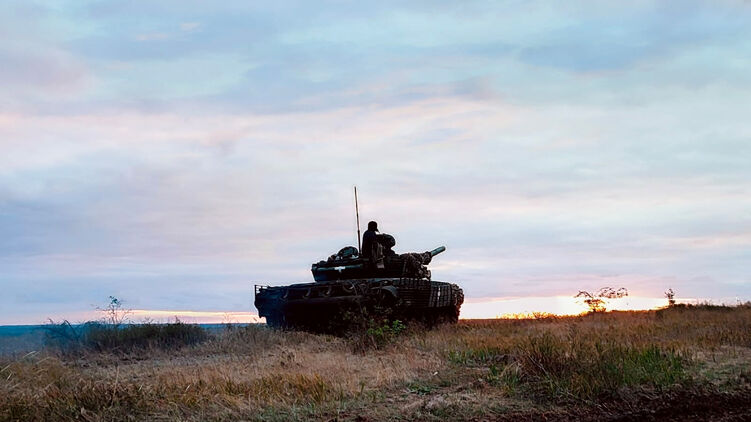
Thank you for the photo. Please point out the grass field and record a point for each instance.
(683, 363)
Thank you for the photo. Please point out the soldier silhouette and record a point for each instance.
(372, 250)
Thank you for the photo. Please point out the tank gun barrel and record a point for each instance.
(437, 250)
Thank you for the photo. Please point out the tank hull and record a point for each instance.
(331, 305)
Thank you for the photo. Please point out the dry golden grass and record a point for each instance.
(567, 368)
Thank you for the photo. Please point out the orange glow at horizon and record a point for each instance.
(205, 317)
(556, 305)
(523, 307)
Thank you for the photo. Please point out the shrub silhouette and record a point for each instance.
(670, 295)
(597, 301)
(112, 333)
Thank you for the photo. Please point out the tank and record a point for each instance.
(348, 287)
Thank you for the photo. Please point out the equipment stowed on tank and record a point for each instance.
(350, 284)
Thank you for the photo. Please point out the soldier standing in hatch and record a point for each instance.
(372, 250)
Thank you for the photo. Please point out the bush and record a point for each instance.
(104, 337)
(113, 333)
(376, 336)
(98, 336)
(63, 336)
(386, 332)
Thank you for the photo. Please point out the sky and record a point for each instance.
(175, 153)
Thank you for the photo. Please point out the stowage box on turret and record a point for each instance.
(397, 286)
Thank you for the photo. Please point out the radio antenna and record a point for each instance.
(357, 213)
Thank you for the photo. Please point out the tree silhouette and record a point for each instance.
(114, 313)
(597, 301)
(670, 295)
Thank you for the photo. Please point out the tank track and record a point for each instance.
(334, 306)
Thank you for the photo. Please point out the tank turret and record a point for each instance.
(347, 264)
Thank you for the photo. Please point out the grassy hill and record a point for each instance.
(683, 363)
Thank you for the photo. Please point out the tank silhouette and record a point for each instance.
(348, 286)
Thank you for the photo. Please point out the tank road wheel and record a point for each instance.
(438, 316)
(452, 315)
(348, 287)
(432, 317)
(448, 315)
(386, 298)
(275, 320)
(383, 303)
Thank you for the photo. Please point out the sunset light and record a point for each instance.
(528, 307)
(555, 305)
(199, 317)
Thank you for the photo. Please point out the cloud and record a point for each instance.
(189, 26)
(36, 74)
(550, 148)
